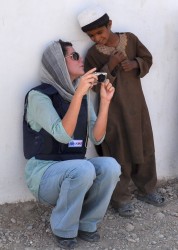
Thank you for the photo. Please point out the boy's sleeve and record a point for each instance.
(143, 57)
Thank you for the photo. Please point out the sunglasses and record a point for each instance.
(75, 56)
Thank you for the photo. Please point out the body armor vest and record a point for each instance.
(42, 145)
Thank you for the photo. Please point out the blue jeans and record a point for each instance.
(80, 191)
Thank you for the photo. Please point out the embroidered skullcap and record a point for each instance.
(92, 18)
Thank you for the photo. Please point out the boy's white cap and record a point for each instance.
(90, 15)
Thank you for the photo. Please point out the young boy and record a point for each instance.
(129, 135)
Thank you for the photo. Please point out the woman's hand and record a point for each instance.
(106, 94)
(86, 82)
(106, 91)
(69, 121)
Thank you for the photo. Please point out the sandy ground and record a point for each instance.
(25, 226)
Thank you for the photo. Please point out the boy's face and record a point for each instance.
(100, 35)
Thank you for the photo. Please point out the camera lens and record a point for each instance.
(101, 78)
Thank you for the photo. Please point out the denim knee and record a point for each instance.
(84, 173)
(111, 167)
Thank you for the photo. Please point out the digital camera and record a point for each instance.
(102, 76)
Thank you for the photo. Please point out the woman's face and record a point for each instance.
(75, 67)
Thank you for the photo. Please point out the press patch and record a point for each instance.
(75, 144)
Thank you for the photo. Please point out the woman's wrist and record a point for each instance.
(104, 101)
(78, 94)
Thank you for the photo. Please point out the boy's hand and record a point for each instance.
(128, 65)
(116, 58)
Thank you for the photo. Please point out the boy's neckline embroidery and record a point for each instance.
(120, 47)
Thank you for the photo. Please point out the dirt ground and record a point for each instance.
(25, 226)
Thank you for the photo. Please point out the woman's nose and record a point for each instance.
(81, 59)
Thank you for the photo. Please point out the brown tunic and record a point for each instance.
(129, 135)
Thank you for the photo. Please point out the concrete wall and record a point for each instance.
(25, 29)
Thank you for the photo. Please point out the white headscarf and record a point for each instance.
(54, 71)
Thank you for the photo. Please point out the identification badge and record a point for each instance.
(75, 144)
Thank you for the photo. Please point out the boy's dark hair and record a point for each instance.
(64, 45)
(102, 21)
